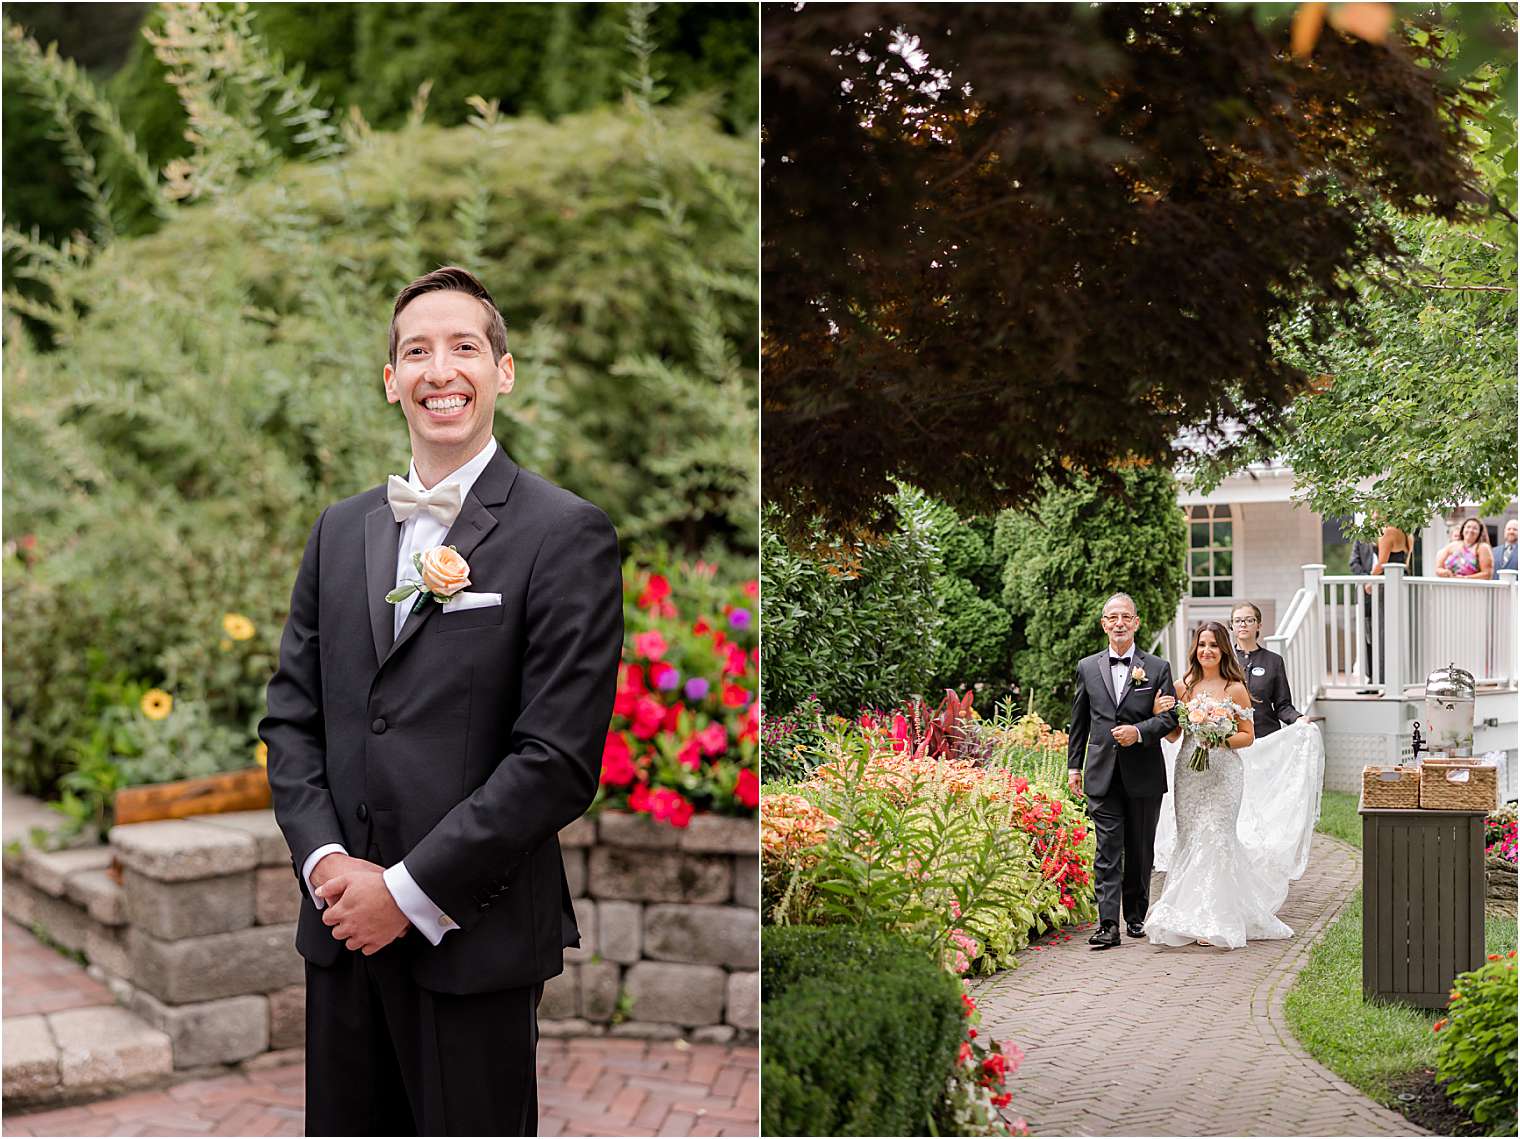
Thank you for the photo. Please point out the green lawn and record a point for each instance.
(1366, 1043)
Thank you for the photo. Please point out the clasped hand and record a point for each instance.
(360, 910)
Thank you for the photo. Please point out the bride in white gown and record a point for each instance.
(1217, 892)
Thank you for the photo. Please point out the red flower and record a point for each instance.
(1020, 785)
(701, 628)
(735, 664)
(747, 789)
(735, 696)
(638, 800)
(690, 754)
(670, 807)
(749, 727)
(1002, 1100)
(1055, 808)
(648, 715)
(625, 702)
(964, 1054)
(672, 719)
(752, 588)
(658, 670)
(617, 761)
(659, 586)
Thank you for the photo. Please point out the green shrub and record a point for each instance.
(977, 641)
(851, 622)
(861, 1032)
(1475, 1048)
(197, 396)
(1067, 555)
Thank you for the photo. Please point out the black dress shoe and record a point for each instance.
(1107, 936)
(1135, 928)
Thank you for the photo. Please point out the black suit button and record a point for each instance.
(363, 813)
(378, 727)
(485, 905)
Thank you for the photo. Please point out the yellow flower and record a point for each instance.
(261, 754)
(157, 704)
(238, 627)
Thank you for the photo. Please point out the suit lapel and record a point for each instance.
(382, 542)
(1106, 677)
(475, 521)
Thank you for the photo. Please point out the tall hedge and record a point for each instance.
(1066, 556)
(861, 1031)
(854, 622)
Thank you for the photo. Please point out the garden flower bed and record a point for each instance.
(954, 833)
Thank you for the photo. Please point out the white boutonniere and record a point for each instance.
(441, 573)
(1137, 674)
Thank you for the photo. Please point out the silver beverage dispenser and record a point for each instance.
(1450, 697)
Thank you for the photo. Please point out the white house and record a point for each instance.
(1251, 540)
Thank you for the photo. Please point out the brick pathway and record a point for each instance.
(587, 1086)
(1145, 1040)
(42, 980)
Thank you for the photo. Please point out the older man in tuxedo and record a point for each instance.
(425, 749)
(1113, 751)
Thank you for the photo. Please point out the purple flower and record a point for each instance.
(697, 688)
(739, 619)
(670, 680)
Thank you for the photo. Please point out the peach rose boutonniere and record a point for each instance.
(441, 573)
(1137, 674)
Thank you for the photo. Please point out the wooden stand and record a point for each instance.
(1422, 902)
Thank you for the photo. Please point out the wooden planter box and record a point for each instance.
(246, 790)
(1422, 902)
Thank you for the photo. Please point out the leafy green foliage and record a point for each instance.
(977, 638)
(854, 622)
(544, 59)
(860, 1029)
(983, 225)
(1475, 1050)
(1076, 548)
(179, 407)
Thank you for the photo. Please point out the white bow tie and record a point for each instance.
(442, 502)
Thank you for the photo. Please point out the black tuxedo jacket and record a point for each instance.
(1270, 696)
(1095, 711)
(467, 744)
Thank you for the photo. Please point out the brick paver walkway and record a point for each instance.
(587, 1086)
(1145, 1040)
(40, 980)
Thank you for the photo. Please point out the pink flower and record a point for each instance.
(690, 754)
(714, 739)
(651, 645)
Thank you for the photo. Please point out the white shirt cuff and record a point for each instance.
(312, 859)
(417, 906)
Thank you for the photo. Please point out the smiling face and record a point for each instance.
(1208, 649)
(445, 380)
(1120, 622)
(1471, 529)
(1511, 532)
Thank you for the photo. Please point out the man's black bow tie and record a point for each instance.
(1114, 661)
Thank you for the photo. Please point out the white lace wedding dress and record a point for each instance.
(1228, 868)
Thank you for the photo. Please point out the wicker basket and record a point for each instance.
(1391, 788)
(1458, 785)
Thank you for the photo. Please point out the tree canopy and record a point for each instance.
(1004, 245)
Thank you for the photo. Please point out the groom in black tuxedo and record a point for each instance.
(1114, 749)
(424, 760)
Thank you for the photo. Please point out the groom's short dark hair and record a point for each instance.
(451, 278)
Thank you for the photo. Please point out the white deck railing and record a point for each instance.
(1381, 635)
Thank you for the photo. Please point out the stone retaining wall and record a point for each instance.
(192, 924)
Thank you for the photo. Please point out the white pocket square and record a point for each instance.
(462, 601)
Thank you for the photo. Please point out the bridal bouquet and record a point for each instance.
(1210, 722)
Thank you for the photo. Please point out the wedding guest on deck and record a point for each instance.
(1507, 556)
(1266, 674)
(1469, 555)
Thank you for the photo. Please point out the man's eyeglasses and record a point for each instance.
(1116, 618)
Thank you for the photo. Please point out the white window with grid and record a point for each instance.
(1211, 551)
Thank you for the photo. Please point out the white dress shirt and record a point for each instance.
(419, 532)
(1121, 672)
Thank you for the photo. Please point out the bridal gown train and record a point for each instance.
(1217, 889)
